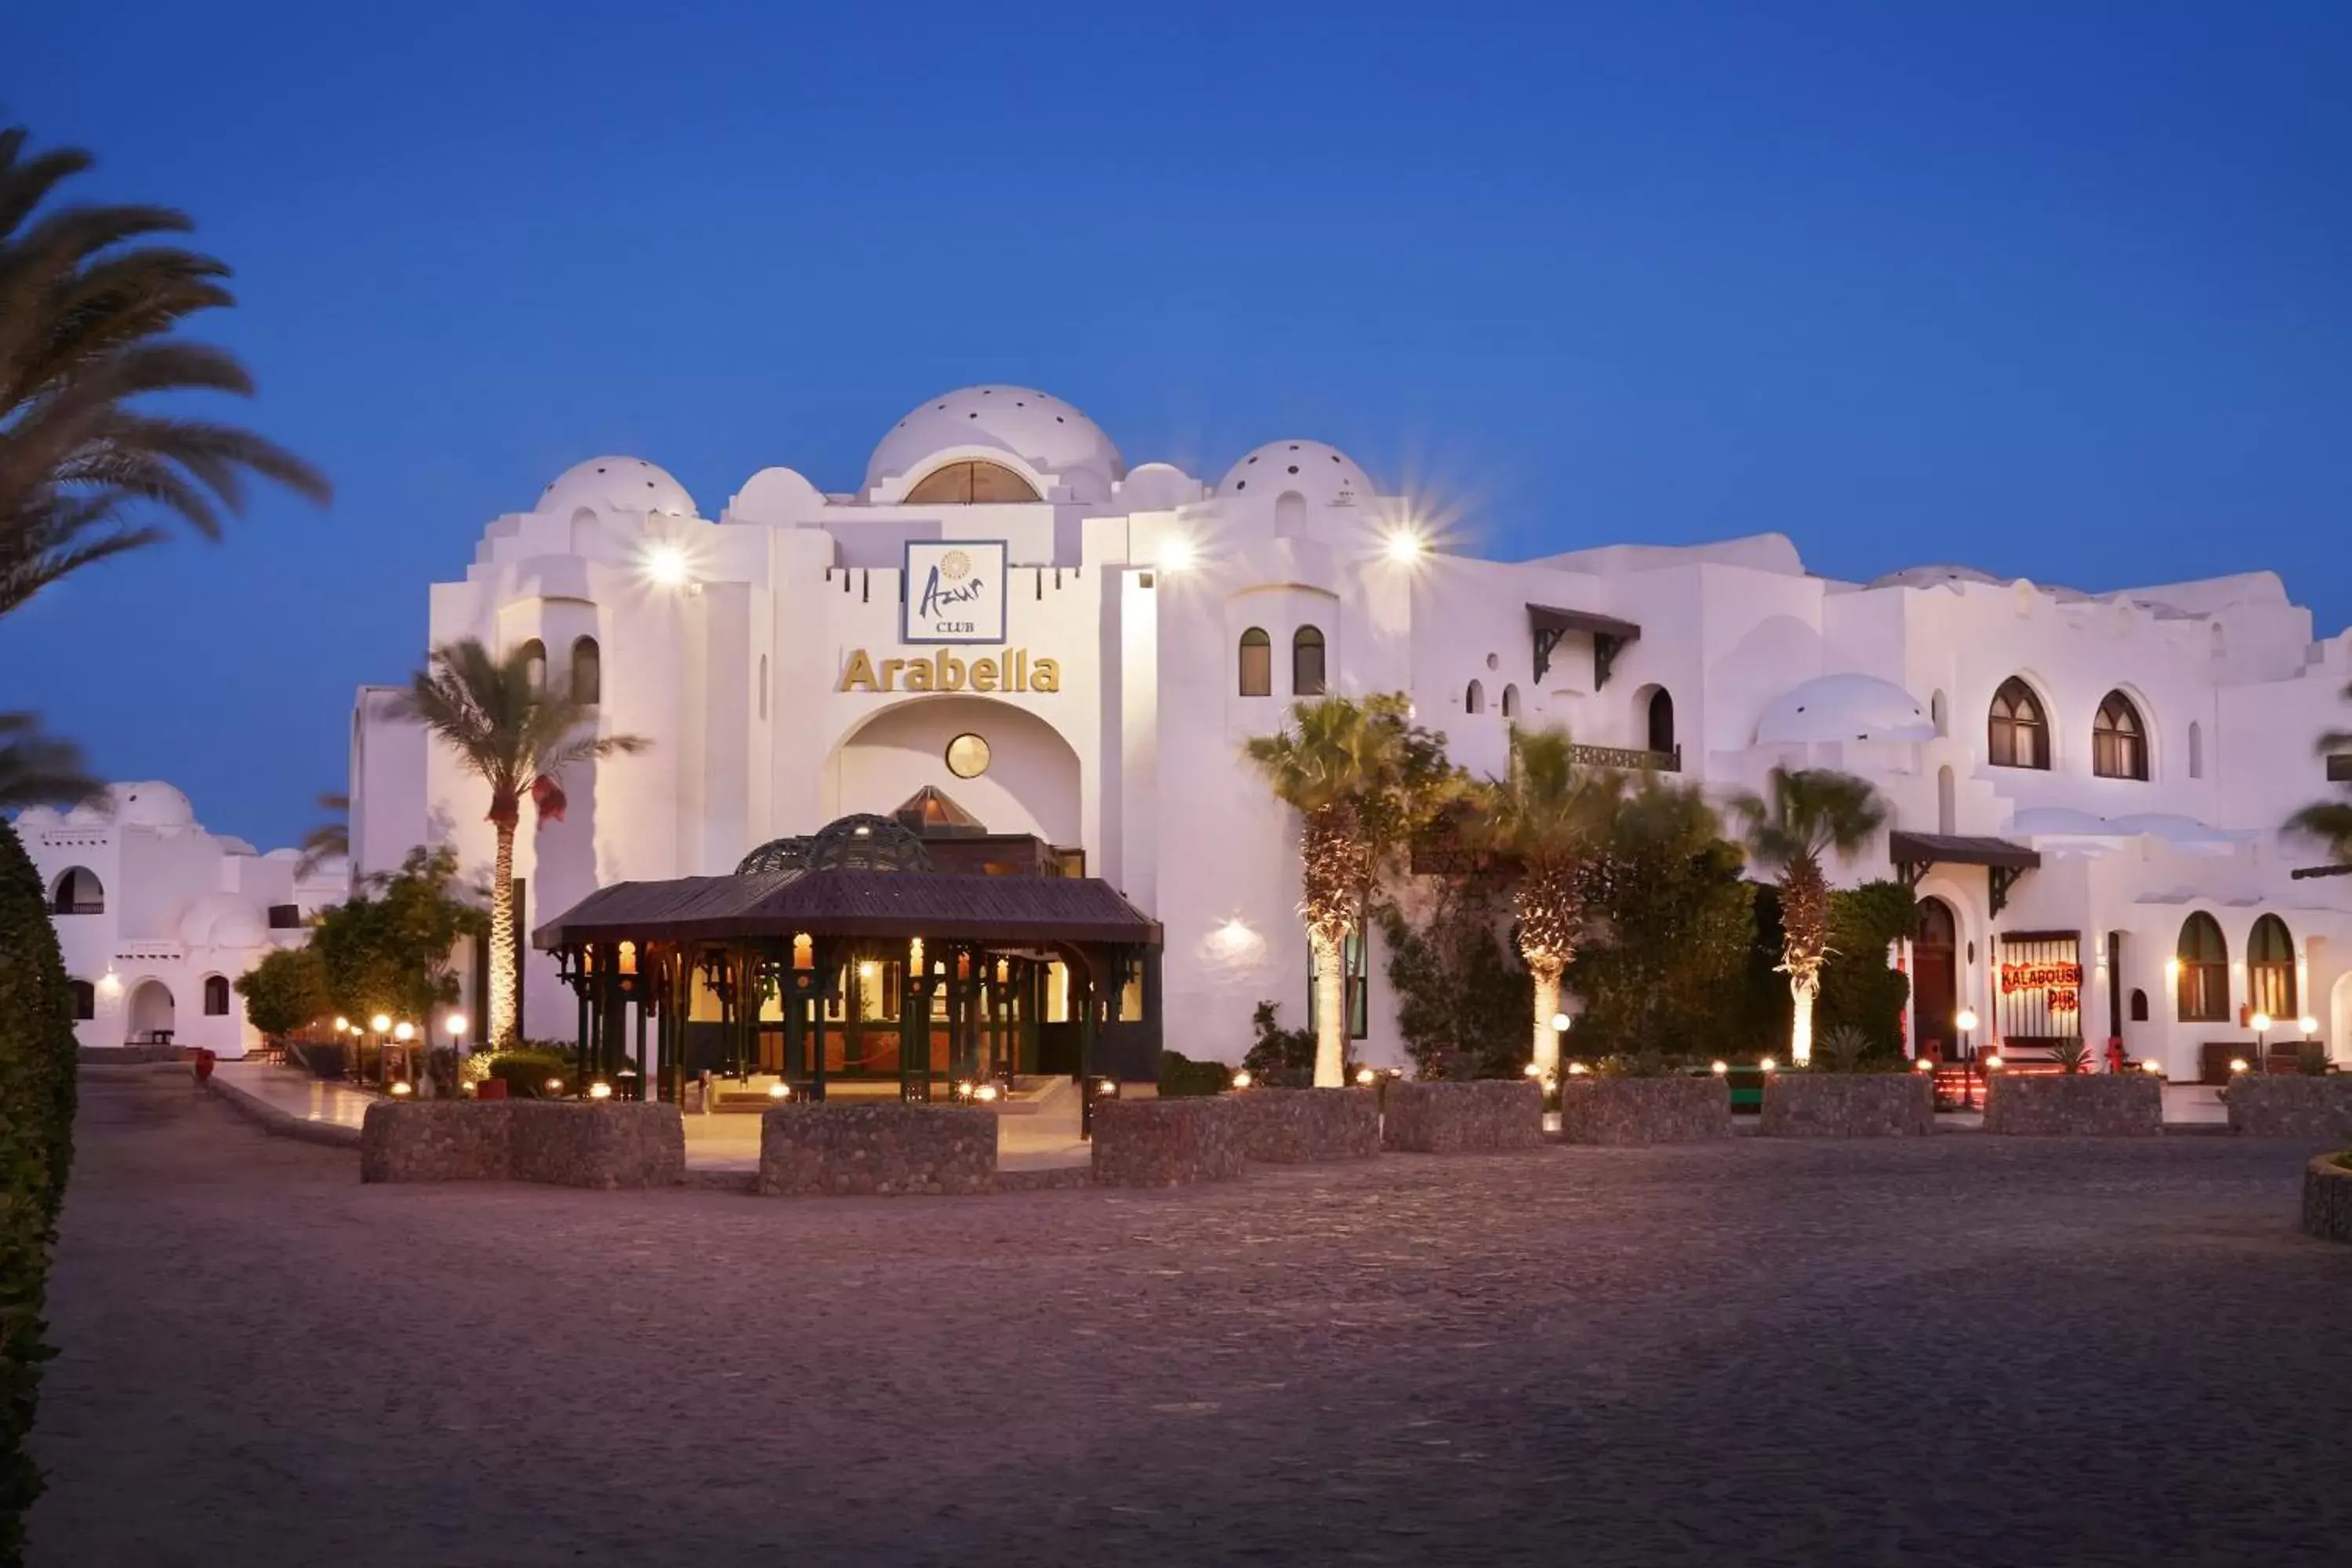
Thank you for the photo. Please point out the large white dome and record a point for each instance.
(150, 804)
(1048, 435)
(615, 484)
(1845, 708)
(1324, 475)
(223, 919)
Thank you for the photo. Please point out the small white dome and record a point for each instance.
(150, 804)
(1325, 475)
(615, 484)
(775, 495)
(1934, 577)
(1047, 433)
(1158, 487)
(1845, 708)
(223, 919)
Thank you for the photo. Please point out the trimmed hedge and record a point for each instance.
(37, 1108)
(525, 1073)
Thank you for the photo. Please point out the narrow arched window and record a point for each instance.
(534, 660)
(84, 1000)
(2196, 750)
(2139, 1007)
(1510, 702)
(2018, 736)
(1290, 513)
(1475, 699)
(1939, 709)
(587, 671)
(2201, 993)
(1307, 662)
(2118, 740)
(1258, 663)
(79, 892)
(1662, 721)
(2270, 969)
(215, 997)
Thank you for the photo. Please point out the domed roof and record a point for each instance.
(1845, 708)
(1049, 435)
(150, 804)
(615, 484)
(1934, 577)
(1325, 475)
(775, 495)
(222, 919)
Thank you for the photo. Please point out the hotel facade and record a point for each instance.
(2087, 790)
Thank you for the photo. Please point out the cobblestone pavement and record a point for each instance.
(1951, 1350)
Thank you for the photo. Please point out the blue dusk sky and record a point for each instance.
(2057, 289)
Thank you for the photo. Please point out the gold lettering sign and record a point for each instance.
(1013, 670)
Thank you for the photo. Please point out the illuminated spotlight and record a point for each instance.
(381, 1023)
(553, 1086)
(2308, 1023)
(1578, 1069)
(1993, 1062)
(1718, 1067)
(1404, 545)
(1532, 1071)
(986, 1093)
(2238, 1064)
(779, 1091)
(1559, 1023)
(600, 1090)
(2152, 1066)
(665, 565)
(401, 1088)
(1769, 1065)
(1242, 1080)
(1177, 553)
(1923, 1064)
(1365, 1076)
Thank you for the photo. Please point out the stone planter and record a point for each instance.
(2318, 1109)
(2073, 1104)
(2328, 1200)
(1479, 1117)
(879, 1151)
(1294, 1126)
(1626, 1110)
(554, 1142)
(1166, 1142)
(1848, 1105)
(435, 1140)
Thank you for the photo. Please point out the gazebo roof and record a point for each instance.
(856, 903)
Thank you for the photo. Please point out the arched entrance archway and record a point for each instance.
(150, 1010)
(1021, 776)
(1936, 980)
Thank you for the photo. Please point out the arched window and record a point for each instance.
(2139, 1007)
(84, 1000)
(963, 484)
(534, 657)
(1510, 702)
(2118, 740)
(1475, 699)
(2018, 736)
(587, 671)
(216, 995)
(79, 893)
(1290, 512)
(2196, 750)
(1307, 662)
(2202, 994)
(1258, 663)
(1947, 805)
(1662, 721)
(2270, 969)
(1939, 709)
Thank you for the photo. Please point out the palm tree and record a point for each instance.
(89, 304)
(1804, 815)
(516, 734)
(332, 839)
(40, 769)
(1362, 776)
(1550, 817)
(2330, 821)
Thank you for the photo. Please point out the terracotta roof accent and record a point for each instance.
(1959, 850)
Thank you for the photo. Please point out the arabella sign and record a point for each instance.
(955, 592)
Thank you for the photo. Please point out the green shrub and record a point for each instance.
(2311, 1059)
(1282, 1059)
(1842, 1047)
(36, 1107)
(1181, 1076)
(285, 992)
(525, 1073)
(1463, 998)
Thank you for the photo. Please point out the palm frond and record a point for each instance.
(41, 770)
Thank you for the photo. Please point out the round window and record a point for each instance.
(967, 756)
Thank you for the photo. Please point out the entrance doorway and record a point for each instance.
(1935, 981)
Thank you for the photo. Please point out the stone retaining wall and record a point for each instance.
(1293, 1126)
(554, 1142)
(1476, 1117)
(890, 1150)
(1848, 1105)
(2073, 1104)
(1626, 1110)
(1167, 1143)
(2319, 1109)
(2328, 1200)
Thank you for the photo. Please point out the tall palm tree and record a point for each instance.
(332, 839)
(1551, 818)
(1362, 776)
(40, 769)
(1804, 815)
(516, 734)
(2330, 821)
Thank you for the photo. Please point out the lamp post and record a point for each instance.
(1965, 1020)
(456, 1023)
(2261, 1024)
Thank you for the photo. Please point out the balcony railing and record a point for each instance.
(1627, 757)
(80, 907)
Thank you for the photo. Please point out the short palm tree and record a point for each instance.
(332, 839)
(1550, 817)
(1803, 815)
(2330, 821)
(1362, 776)
(516, 734)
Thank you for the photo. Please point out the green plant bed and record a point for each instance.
(525, 1073)
(1181, 1077)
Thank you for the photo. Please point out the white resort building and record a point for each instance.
(158, 918)
(2086, 789)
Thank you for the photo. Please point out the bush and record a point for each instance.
(285, 992)
(36, 1107)
(525, 1073)
(1463, 998)
(1283, 1059)
(1181, 1076)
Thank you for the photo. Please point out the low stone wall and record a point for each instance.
(568, 1143)
(1848, 1105)
(2073, 1104)
(2319, 1109)
(2328, 1200)
(1479, 1116)
(1627, 1110)
(888, 1150)
(1294, 1126)
(555, 1142)
(1167, 1143)
(131, 1055)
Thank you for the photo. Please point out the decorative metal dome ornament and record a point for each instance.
(776, 854)
(866, 843)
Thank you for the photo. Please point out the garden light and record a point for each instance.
(380, 1023)
(1769, 1065)
(1364, 1077)
(2237, 1064)
(600, 1090)
(400, 1089)
(1993, 1062)
(2308, 1023)
(1559, 1023)
(1106, 1089)
(1923, 1064)
(2262, 1023)
(1718, 1067)
(457, 1025)
(780, 1090)
(1967, 1018)
(404, 1031)
(985, 1094)
(1532, 1071)
(1578, 1069)
(343, 1025)
(2151, 1067)
(553, 1086)
(1242, 1080)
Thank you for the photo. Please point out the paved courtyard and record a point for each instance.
(1955, 1350)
